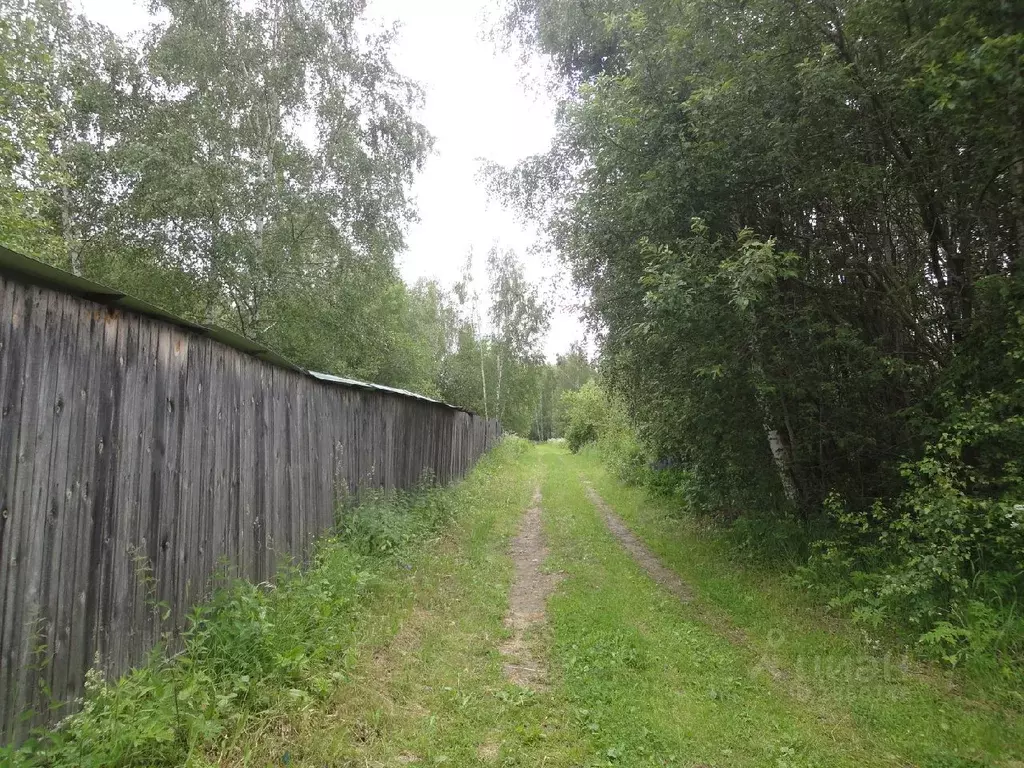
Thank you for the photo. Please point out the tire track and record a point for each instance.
(531, 587)
(650, 562)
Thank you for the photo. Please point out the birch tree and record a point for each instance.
(519, 320)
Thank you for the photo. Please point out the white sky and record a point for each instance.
(477, 107)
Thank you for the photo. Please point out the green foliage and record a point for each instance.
(500, 371)
(584, 414)
(384, 524)
(519, 320)
(799, 228)
(748, 674)
(570, 372)
(946, 557)
(876, 703)
(621, 446)
(593, 418)
(28, 117)
(246, 164)
(179, 168)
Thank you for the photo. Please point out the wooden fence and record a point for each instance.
(137, 455)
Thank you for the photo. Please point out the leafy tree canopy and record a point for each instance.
(800, 226)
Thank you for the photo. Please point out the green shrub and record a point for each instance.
(938, 558)
(584, 413)
(620, 446)
(946, 558)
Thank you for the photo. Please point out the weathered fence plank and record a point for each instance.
(20, 603)
(137, 455)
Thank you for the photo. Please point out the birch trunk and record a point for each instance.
(483, 378)
(71, 238)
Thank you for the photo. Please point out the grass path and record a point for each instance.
(427, 684)
(740, 672)
(877, 708)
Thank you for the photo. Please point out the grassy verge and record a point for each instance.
(650, 680)
(850, 694)
(385, 653)
(260, 663)
(427, 687)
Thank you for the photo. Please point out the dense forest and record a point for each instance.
(247, 164)
(800, 224)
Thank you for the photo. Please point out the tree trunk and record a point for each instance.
(483, 378)
(781, 451)
(498, 410)
(1016, 259)
(71, 238)
(783, 463)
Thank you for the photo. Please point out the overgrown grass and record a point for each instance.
(385, 652)
(975, 627)
(253, 654)
(428, 688)
(874, 700)
(936, 558)
(652, 681)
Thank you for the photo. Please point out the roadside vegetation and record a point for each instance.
(754, 671)
(257, 656)
(800, 229)
(980, 649)
(392, 649)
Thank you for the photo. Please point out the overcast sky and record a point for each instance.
(477, 107)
